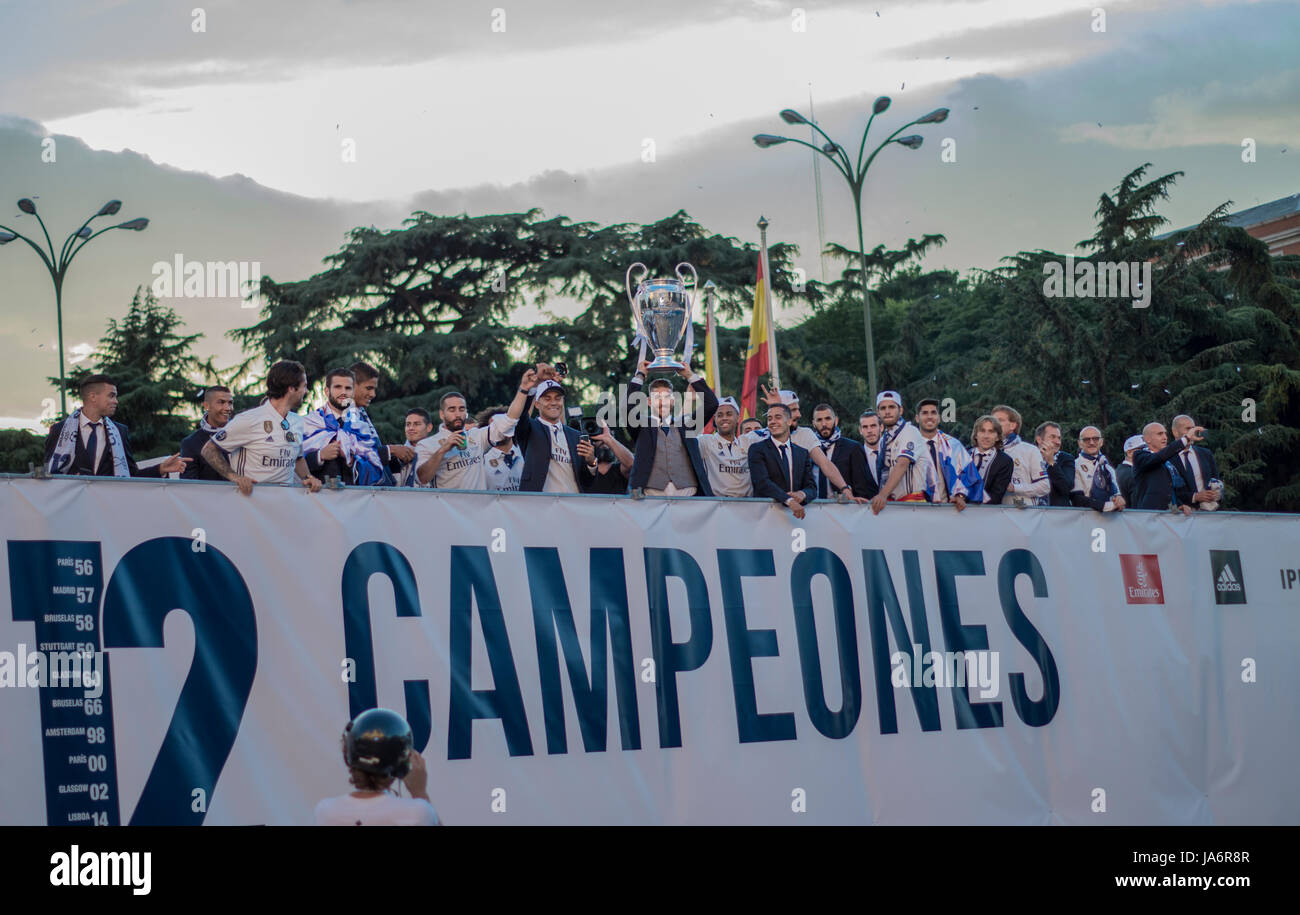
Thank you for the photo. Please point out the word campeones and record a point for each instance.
(688, 641)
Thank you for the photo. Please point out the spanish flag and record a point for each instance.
(757, 356)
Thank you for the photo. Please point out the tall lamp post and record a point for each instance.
(58, 266)
(855, 174)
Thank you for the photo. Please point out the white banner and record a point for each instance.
(601, 660)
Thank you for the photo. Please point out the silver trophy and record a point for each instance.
(662, 309)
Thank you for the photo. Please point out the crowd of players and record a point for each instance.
(531, 445)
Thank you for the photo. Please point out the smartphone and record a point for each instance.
(561, 369)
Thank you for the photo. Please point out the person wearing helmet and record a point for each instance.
(378, 750)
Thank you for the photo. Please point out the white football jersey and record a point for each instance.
(261, 444)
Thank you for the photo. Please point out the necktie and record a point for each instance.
(92, 444)
(785, 463)
(979, 463)
(1187, 466)
(934, 457)
(871, 462)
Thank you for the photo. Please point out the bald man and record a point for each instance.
(1094, 485)
(1157, 484)
(1198, 468)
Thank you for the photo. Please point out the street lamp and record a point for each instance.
(855, 174)
(58, 265)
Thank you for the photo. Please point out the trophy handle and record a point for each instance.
(695, 288)
(631, 293)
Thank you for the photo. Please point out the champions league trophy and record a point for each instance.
(662, 309)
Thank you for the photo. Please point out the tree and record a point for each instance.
(156, 373)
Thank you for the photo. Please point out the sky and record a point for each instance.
(262, 133)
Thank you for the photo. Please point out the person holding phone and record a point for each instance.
(452, 458)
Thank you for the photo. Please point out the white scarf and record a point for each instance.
(66, 447)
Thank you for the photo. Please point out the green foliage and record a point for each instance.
(155, 372)
(20, 450)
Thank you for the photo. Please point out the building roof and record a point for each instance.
(1257, 215)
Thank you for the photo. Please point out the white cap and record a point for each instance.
(547, 385)
(890, 395)
(789, 397)
(1133, 443)
(729, 402)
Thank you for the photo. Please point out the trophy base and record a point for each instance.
(665, 364)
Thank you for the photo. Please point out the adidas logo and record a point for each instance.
(1227, 581)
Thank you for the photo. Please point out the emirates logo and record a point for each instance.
(1142, 584)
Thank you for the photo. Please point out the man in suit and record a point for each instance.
(666, 460)
(1198, 467)
(870, 427)
(847, 456)
(89, 443)
(1060, 464)
(218, 408)
(778, 468)
(1154, 486)
(1124, 472)
(552, 462)
(993, 466)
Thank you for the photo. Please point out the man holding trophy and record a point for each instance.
(667, 460)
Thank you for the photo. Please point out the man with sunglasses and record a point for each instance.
(264, 445)
(1096, 485)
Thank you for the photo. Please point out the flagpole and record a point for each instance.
(710, 338)
(767, 303)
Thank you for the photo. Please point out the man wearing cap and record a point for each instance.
(1029, 483)
(806, 439)
(1197, 465)
(666, 460)
(1094, 484)
(904, 459)
(1124, 472)
(726, 453)
(552, 462)
(949, 459)
(869, 428)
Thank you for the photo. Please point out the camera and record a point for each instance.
(591, 427)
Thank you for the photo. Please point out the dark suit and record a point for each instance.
(769, 474)
(192, 447)
(1153, 486)
(998, 479)
(530, 431)
(1061, 477)
(851, 461)
(81, 460)
(1124, 479)
(1209, 469)
(645, 440)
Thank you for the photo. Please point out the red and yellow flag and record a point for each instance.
(757, 362)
